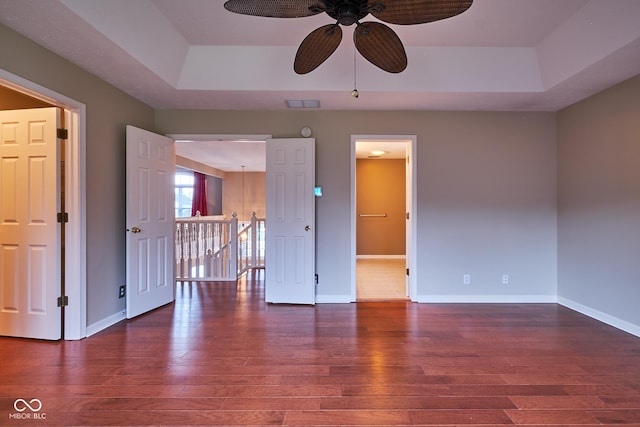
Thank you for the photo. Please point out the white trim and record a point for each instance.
(602, 317)
(105, 323)
(487, 299)
(178, 137)
(75, 244)
(413, 215)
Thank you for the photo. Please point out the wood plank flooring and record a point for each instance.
(221, 356)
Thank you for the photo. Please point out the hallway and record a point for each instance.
(221, 356)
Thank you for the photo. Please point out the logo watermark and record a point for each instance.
(27, 410)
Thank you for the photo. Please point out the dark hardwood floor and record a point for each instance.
(221, 356)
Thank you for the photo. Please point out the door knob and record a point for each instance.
(135, 230)
(307, 228)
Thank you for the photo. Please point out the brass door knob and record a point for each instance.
(307, 228)
(135, 230)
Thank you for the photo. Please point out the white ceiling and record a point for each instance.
(500, 55)
(227, 153)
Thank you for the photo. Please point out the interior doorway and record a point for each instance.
(234, 167)
(383, 217)
(75, 318)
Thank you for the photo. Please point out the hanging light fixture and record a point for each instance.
(243, 213)
(354, 92)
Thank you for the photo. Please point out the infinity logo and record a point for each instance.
(22, 405)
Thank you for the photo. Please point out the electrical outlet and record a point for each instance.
(505, 279)
(466, 279)
(121, 293)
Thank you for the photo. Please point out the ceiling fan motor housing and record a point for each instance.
(347, 12)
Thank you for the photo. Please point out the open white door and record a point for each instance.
(408, 221)
(150, 221)
(290, 222)
(29, 232)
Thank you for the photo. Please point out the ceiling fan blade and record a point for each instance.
(381, 46)
(276, 8)
(317, 47)
(410, 12)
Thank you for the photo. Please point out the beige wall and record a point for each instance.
(380, 189)
(108, 112)
(254, 194)
(599, 204)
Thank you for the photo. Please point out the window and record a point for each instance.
(184, 193)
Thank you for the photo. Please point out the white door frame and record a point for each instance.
(413, 279)
(75, 327)
(182, 137)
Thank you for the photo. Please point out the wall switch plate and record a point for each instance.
(121, 292)
(505, 279)
(466, 279)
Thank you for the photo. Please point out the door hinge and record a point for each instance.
(407, 271)
(63, 217)
(63, 134)
(63, 301)
(407, 215)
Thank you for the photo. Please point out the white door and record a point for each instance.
(29, 232)
(150, 221)
(290, 221)
(408, 220)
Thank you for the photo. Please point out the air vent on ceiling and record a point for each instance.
(303, 103)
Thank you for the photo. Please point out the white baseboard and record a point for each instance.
(487, 299)
(603, 317)
(443, 299)
(105, 323)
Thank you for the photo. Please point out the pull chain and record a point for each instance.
(354, 92)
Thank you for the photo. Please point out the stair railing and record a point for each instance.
(251, 244)
(215, 249)
(206, 248)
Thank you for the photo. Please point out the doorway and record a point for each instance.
(279, 158)
(382, 217)
(75, 324)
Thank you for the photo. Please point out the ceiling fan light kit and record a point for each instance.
(375, 41)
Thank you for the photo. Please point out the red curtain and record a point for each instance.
(199, 202)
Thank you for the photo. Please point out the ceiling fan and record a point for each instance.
(377, 42)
